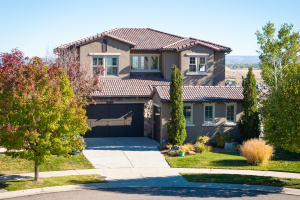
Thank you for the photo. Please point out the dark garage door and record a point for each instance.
(115, 120)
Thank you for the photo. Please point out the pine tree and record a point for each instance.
(176, 125)
(249, 124)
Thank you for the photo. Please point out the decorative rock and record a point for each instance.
(234, 143)
(174, 148)
(229, 146)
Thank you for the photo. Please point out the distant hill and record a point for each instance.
(237, 67)
(241, 60)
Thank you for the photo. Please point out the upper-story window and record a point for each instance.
(145, 63)
(97, 64)
(108, 64)
(197, 64)
(111, 66)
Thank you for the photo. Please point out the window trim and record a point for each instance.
(105, 64)
(209, 123)
(189, 124)
(149, 63)
(197, 62)
(234, 106)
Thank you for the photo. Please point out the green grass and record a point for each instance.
(48, 182)
(11, 165)
(242, 179)
(282, 161)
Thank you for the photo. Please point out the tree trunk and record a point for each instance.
(36, 173)
(275, 69)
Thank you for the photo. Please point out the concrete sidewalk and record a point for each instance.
(148, 177)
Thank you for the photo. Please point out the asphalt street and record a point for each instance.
(160, 194)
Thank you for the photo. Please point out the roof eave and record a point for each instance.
(208, 100)
(120, 96)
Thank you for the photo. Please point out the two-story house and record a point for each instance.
(137, 66)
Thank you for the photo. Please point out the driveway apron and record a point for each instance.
(124, 152)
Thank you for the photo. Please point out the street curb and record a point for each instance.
(95, 186)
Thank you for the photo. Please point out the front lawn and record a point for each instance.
(282, 161)
(48, 182)
(11, 165)
(242, 179)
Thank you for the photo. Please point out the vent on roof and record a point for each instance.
(104, 45)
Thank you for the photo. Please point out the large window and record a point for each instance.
(209, 114)
(134, 62)
(112, 66)
(154, 62)
(144, 63)
(97, 64)
(197, 64)
(230, 113)
(107, 63)
(187, 112)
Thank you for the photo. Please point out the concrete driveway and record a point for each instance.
(124, 152)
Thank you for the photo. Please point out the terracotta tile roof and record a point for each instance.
(146, 38)
(204, 93)
(139, 85)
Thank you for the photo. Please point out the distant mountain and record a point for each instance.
(241, 60)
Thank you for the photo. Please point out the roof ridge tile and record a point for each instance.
(164, 32)
(175, 42)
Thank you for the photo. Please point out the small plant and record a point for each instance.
(172, 153)
(222, 138)
(181, 150)
(202, 148)
(188, 147)
(203, 139)
(238, 147)
(167, 145)
(256, 151)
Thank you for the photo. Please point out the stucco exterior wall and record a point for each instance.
(170, 58)
(193, 132)
(215, 67)
(113, 46)
(219, 68)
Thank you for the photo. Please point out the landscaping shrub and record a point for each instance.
(172, 153)
(202, 148)
(203, 139)
(222, 138)
(256, 151)
(188, 147)
(238, 147)
(167, 145)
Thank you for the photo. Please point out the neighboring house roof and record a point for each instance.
(139, 85)
(203, 93)
(148, 39)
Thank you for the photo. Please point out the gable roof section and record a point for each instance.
(139, 85)
(203, 93)
(148, 39)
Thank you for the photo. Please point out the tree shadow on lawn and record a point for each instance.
(281, 154)
(230, 163)
(3, 185)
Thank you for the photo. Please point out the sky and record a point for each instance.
(36, 27)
